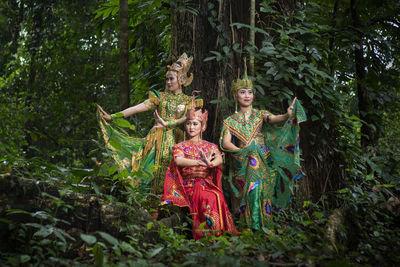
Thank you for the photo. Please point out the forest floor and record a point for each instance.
(47, 223)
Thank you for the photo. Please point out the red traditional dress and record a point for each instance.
(199, 188)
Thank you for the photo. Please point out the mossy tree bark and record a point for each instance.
(209, 29)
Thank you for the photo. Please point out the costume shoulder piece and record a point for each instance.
(244, 128)
(153, 100)
(179, 149)
(154, 96)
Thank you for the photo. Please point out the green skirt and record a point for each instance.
(145, 159)
(262, 175)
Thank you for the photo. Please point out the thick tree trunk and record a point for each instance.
(210, 30)
(207, 31)
(124, 53)
(364, 105)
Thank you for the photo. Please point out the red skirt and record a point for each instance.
(209, 209)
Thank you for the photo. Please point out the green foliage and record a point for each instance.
(11, 131)
(372, 228)
(64, 62)
(310, 54)
(41, 241)
(298, 236)
(292, 59)
(148, 41)
(41, 82)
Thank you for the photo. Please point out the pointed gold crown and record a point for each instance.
(241, 83)
(197, 114)
(181, 66)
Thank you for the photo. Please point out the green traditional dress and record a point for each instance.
(262, 172)
(133, 154)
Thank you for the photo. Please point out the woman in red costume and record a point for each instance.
(193, 180)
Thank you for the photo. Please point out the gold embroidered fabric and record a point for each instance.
(132, 154)
(170, 107)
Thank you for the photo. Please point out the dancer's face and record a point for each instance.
(193, 127)
(171, 82)
(245, 97)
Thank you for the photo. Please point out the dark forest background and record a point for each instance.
(63, 201)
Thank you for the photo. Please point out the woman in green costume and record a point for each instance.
(264, 159)
(170, 111)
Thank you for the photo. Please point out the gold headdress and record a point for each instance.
(241, 83)
(181, 66)
(197, 114)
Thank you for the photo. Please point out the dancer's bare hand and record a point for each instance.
(105, 115)
(290, 108)
(207, 159)
(160, 123)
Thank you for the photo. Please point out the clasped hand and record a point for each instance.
(290, 108)
(206, 160)
(160, 123)
(105, 115)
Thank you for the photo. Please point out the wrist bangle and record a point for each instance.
(172, 123)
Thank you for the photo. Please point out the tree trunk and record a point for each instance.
(252, 33)
(364, 105)
(207, 31)
(173, 49)
(332, 39)
(210, 30)
(34, 46)
(17, 27)
(124, 54)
